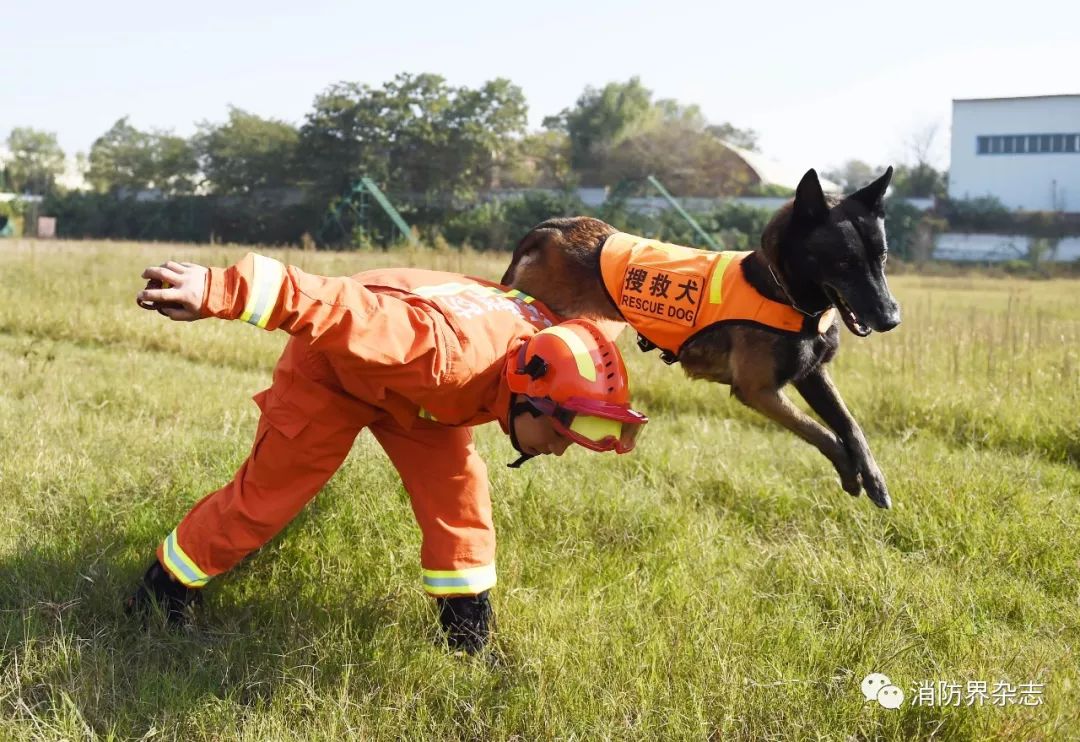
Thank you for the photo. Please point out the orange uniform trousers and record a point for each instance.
(298, 447)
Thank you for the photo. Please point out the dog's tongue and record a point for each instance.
(848, 314)
(853, 322)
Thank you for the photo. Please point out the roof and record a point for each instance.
(1016, 97)
(24, 197)
(773, 172)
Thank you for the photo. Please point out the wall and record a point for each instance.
(1030, 182)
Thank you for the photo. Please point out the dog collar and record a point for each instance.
(787, 294)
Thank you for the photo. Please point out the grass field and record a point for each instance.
(716, 584)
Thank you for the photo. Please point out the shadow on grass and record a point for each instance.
(71, 658)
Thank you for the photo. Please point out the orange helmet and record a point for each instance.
(574, 374)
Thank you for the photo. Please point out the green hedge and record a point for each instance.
(181, 219)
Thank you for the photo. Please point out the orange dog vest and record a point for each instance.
(669, 293)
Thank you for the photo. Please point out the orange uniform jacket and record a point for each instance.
(669, 293)
(416, 356)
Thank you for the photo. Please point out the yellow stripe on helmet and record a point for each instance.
(585, 365)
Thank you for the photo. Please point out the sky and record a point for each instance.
(820, 82)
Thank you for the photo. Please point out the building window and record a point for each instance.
(1027, 144)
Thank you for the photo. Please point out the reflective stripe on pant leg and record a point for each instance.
(448, 488)
(469, 581)
(180, 565)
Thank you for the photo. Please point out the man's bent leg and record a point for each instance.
(447, 483)
(291, 460)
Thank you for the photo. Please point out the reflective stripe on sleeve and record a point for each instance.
(471, 581)
(180, 564)
(266, 282)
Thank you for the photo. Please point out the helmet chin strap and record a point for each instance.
(516, 409)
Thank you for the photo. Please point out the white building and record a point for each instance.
(1024, 151)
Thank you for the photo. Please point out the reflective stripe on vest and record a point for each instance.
(470, 581)
(669, 293)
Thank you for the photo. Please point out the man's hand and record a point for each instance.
(175, 290)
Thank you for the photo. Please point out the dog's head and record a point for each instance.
(830, 251)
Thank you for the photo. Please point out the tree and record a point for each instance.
(682, 155)
(119, 159)
(853, 175)
(127, 159)
(248, 152)
(36, 161)
(538, 160)
(600, 119)
(415, 132)
(176, 165)
(917, 177)
(745, 138)
(619, 133)
(918, 181)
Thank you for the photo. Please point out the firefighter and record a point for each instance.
(417, 357)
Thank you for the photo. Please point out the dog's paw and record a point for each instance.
(849, 475)
(850, 482)
(874, 484)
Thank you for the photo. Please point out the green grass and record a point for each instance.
(716, 584)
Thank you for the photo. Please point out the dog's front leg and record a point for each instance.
(775, 405)
(820, 393)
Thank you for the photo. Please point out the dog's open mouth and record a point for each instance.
(846, 312)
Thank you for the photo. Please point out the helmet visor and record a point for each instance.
(598, 426)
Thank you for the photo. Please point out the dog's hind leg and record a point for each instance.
(820, 393)
(775, 405)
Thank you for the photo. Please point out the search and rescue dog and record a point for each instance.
(756, 321)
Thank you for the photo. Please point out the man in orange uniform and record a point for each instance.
(417, 357)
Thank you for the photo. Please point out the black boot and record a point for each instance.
(159, 589)
(467, 621)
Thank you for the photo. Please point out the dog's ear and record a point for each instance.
(873, 196)
(809, 199)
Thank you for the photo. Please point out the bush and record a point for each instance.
(983, 214)
(499, 224)
(11, 218)
(901, 222)
(181, 218)
(988, 214)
